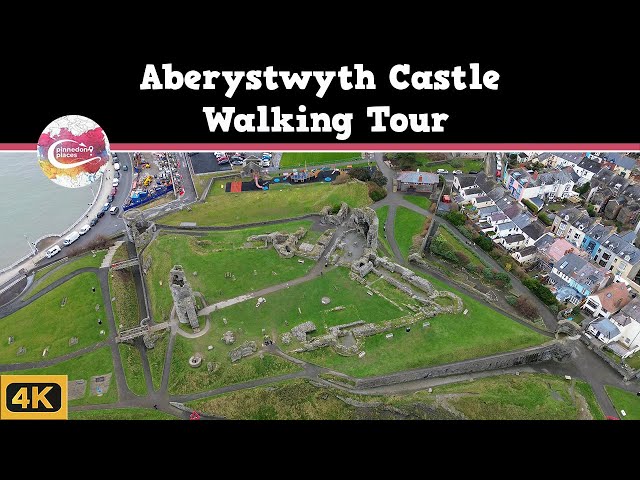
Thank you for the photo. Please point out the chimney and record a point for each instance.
(420, 179)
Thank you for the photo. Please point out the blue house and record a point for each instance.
(594, 236)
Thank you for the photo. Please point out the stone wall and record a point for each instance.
(183, 299)
(365, 221)
(244, 350)
(549, 351)
(337, 219)
(284, 243)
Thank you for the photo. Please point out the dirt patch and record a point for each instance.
(583, 408)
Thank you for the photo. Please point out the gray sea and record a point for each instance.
(32, 205)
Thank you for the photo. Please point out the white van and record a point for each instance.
(116, 166)
(52, 251)
(72, 237)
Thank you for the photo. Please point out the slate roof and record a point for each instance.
(538, 202)
(473, 191)
(506, 226)
(571, 214)
(515, 238)
(497, 193)
(606, 328)
(572, 157)
(599, 231)
(590, 165)
(620, 159)
(534, 230)
(466, 180)
(622, 248)
(484, 183)
(583, 272)
(499, 216)
(629, 312)
(483, 199)
(418, 177)
(525, 252)
(483, 212)
(523, 220)
(544, 241)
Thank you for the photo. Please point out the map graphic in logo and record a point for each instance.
(73, 151)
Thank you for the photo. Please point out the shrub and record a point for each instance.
(484, 243)
(440, 247)
(378, 178)
(584, 188)
(526, 307)
(466, 232)
(360, 173)
(462, 258)
(530, 205)
(455, 218)
(376, 192)
(502, 279)
(335, 208)
(540, 291)
(457, 163)
(591, 210)
(544, 218)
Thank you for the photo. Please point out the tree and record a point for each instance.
(360, 173)
(584, 188)
(484, 243)
(526, 307)
(456, 218)
(462, 258)
(379, 178)
(376, 192)
(591, 210)
(457, 163)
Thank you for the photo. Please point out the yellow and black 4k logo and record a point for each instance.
(33, 397)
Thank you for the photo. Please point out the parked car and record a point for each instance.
(52, 251)
(84, 229)
(442, 170)
(218, 154)
(473, 173)
(114, 190)
(457, 172)
(69, 239)
(116, 166)
(110, 198)
(116, 174)
(265, 163)
(125, 168)
(237, 162)
(114, 210)
(94, 221)
(115, 182)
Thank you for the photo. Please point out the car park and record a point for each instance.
(52, 251)
(114, 210)
(84, 229)
(94, 221)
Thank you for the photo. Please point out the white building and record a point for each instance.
(607, 301)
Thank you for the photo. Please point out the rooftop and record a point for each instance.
(525, 252)
(622, 248)
(506, 226)
(614, 297)
(418, 177)
(473, 191)
(559, 248)
(534, 230)
(606, 328)
(599, 232)
(590, 165)
(483, 199)
(515, 238)
(485, 211)
(620, 159)
(580, 270)
(630, 312)
(466, 180)
(572, 157)
(498, 217)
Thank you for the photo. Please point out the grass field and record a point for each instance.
(211, 256)
(458, 246)
(633, 361)
(450, 338)
(469, 165)
(422, 202)
(185, 379)
(155, 357)
(293, 400)
(201, 181)
(132, 364)
(45, 323)
(407, 224)
(125, 306)
(298, 159)
(523, 397)
(98, 362)
(383, 213)
(281, 201)
(627, 401)
(63, 269)
(121, 414)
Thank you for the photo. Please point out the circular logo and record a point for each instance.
(73, 151)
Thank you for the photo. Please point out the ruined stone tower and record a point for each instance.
(183, 298)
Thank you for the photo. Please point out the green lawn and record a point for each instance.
(458, 246)
(211, 256)
(201, 181)
(422, 202)
(383, 213)
(120, 254)
(185, 379)
(468, 164)
(298, 159)
(511, 397)
(121, 414)
(132, 364)
(156, 356)
(65, 268)
(627, 401)
(407, 224)
(450, 338)
(98, 362)
(633, 361)
(45, 323)
(280, 201)
(125, 306)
